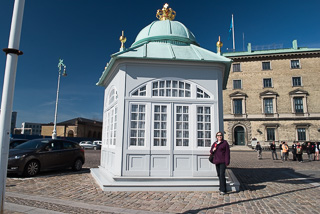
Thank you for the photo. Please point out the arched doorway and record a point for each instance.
(239, 136)
(70, 133)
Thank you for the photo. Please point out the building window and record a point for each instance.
(270, 134)
(266, 66)
(268, 105)
(202, 94)
(237, 106)
(296, 81)
(267, 83)
(137, 124)
(182, 126)
(295, 64)
(113, 96)
(236, 67)
(160, 125)
(298, 104)
(301, 132)
(203, 126)
(171, 88)
(140, 91)
(237, 84)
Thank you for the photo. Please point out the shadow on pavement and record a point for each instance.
(247, 200)
(250, 178)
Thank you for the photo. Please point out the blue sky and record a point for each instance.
(86, 32)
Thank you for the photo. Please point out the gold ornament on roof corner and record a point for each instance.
(166, 13)
(219, 45)
(122, 39)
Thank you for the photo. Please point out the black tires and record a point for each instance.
(32, 168)
(77, 165)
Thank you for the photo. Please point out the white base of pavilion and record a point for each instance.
(109, 182)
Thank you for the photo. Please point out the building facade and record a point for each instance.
(272, 95)
(77, 127)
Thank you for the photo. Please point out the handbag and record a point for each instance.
(211, 157)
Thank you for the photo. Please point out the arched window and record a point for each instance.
(113, 96)
(170, 88)
(70, 133)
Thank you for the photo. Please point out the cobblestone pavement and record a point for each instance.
(267, 186)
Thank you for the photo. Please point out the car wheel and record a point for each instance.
(32, 168)
(77, 166)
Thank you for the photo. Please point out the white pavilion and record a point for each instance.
(162, 108)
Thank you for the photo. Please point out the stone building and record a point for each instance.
(273, 95)
(77, 127)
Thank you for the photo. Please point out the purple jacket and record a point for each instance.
(222, 153)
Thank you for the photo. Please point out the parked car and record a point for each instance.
(99, 142)
(37, 155)
(16, 142)
(90, 145)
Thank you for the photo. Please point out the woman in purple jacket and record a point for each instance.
(221, 159)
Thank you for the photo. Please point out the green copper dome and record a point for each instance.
(166, 31)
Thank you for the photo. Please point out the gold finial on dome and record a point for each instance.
(219, 45)
(166, 13)
(123, 40)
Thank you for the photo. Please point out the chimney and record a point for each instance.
(295, 44)
(249, 48)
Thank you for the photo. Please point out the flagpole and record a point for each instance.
(7, 93)
(234, 43)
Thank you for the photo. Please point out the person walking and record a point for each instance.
(317, 149)
(299, 152)
(280, 146)
(259, 150)
(294, 151)
(309, 151)
(221, 159)
(285, 150)
(273, 150)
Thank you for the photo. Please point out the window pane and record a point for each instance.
(301, 134)
(268, 106)
(160, 132)
(267, 83)
(270, 134)
(137, 132)
(266, 66)
(182, 126)
(236, 84)
(237, 105)
(298, 105)
(236, 67)
(295, 64)
(203, 126)
(296, 81)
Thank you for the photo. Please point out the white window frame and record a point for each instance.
(275, 133)
(298, 62)
(304, 102)
(297, 85)
(306, 131)
(270, 68)
(233, 66)
(207, 140)
(233, 107)
(274, 103)
(190, 128)
(267, 86)
(168, 127)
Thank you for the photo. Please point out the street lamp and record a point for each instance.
(54, 132)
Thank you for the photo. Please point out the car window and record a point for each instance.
(56, 145)
(68, 145)
(32, 144)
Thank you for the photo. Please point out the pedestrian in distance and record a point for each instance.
(299, 152)
(294, 151)
(221, 159)
(280, 147)
(309, 151)
(285, 151)
(273, 149)
(317, 149)
(259, 150)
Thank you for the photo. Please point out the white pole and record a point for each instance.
(234, 43)
(54, 133)
(8, 92)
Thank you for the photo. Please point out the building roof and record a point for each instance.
(78, 120)
(282, 51)
(167, 40)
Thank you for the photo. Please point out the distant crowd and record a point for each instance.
(297, 150)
